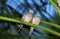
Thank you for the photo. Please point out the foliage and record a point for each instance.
(15, 17)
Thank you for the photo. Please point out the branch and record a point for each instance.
(30, 24)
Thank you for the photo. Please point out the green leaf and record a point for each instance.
(55, 5)
(51, 24)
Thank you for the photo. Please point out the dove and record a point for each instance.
(35, 20)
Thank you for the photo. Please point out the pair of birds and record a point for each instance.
(28, 17)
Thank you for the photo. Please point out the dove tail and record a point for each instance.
(30, 33)
(20, 28)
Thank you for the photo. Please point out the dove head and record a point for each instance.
(35, 15)
(31, 12)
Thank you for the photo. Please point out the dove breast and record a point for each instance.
(36, 20)
(28, 18)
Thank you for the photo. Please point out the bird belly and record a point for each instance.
(36, 21)
(27, 18)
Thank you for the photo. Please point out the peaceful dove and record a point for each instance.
(35, 20)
